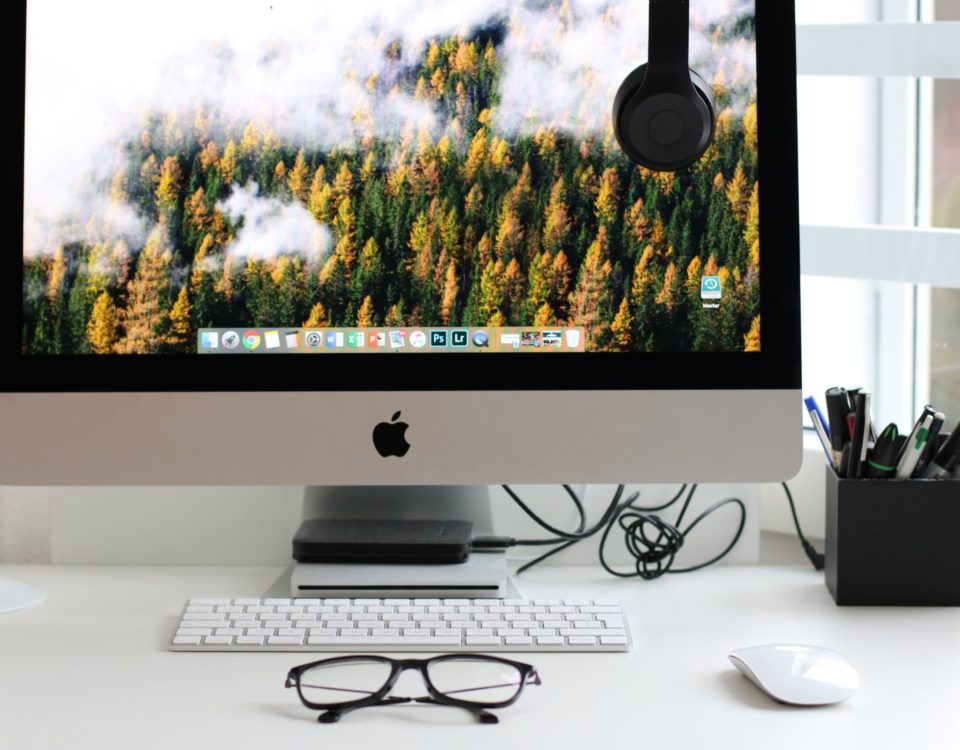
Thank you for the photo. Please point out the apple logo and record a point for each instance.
(389, 438)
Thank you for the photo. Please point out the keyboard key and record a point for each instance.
(229, 631)
(199, 609)
(285, 640)
(581, 640)
(393, 631)
(256, 632)
(204, 616)
(607, 603)
(601, 610)
(246, 602)
(194, 632)
(484, 641)
(249, 640)
(479, 631)
(214, 602)
(277, 602)
(518, 641)
(291, 631)
(218, 640)
(542, 631)
(550, 640)
(384, 641)
(585, 631)
(613, 640)
(204, 623)
(186, 640)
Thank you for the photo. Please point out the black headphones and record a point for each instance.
(664, 115)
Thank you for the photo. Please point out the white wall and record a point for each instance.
(254, 526)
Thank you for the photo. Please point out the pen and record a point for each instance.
(837, 409)
(816, 418)
(852, 396)
(932, 447)
(882, 463)
(928, 411)
(814, 407)
(947, 460)
(916, 445)
(860, 441)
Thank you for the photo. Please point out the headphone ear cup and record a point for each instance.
(706, 94)
(664, 130)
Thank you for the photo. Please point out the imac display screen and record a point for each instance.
(370, 178)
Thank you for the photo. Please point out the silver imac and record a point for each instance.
(394, 243)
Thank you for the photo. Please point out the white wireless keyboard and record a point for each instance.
(401, 625)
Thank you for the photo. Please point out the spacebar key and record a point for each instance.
(383, 640)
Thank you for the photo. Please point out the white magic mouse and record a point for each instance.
(798, 675)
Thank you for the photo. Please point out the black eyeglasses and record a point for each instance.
(476, 682)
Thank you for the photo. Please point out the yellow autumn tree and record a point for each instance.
(318, 317)
(299, 179)
(621, 329)
(102, 328)
(751, 342)
(181, 332)
(365, 316)
(738, 193)
(608, 198)
(168, 189)
(450, 289)
(228, 162)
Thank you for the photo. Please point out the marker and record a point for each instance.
(916, 445)
(932, 447)
(860, 442)
(837, 409)
(882, 463)
(947, 460)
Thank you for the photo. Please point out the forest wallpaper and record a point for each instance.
(369, 164)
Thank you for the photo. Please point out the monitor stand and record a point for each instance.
(16, 595)
(402, 503)
(484, 575)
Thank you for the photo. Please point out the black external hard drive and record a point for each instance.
(371, 541)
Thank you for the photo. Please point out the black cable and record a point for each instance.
(653, 542)
(816, 559)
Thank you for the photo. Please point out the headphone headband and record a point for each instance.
(669, 56)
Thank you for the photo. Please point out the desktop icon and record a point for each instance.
(334, 340)
(209, 340)
(398, 339)
(481, 339)
(373, 340)
(553, 339)
(438, 339)
(230, 340)
(382, 340)
(389, 438)
(314, 340)
(251, 340)
(510, 339)
(356, 340)
(293, 340)
(418, 339)
(531, 339)
(271, 339)
(460, 339)
(711, 287)
(573, 338)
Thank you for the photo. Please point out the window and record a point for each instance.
(880, 200)
(944, 349)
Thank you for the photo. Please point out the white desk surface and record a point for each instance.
(89, 668)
